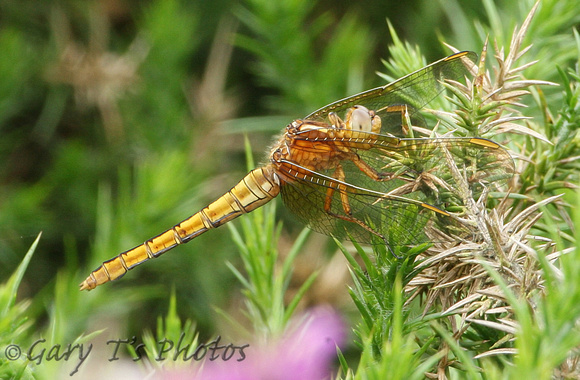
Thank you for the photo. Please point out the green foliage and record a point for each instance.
(375, 293)
(399, 347)
(113, 128)
(160, 111)
(267, 275)
(295, 50)
(171, 333)
(15, 323)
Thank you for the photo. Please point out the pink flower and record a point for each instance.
(305, 352)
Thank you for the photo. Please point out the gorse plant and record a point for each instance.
(473, 293)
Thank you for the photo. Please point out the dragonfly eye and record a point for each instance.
(360, 119)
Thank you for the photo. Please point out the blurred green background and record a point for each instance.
(118, 119)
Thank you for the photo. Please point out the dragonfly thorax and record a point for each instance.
(317, 145)
(308, 144)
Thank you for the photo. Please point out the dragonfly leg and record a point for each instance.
(369, 170)
(403, 109)
(335, 120)
(339, 175)
(348, 154)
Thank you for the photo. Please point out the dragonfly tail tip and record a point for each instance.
(85, 286)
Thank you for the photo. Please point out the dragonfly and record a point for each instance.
(347, 170)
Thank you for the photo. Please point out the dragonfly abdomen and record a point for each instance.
(254, 190)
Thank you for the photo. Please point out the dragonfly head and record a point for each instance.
(360, 118)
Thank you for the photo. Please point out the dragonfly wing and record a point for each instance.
(414, 90)
(401, 221)
(439, 172)
(423, 180)
(476, 161)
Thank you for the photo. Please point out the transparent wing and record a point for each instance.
(423, 182)
(414, 90)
